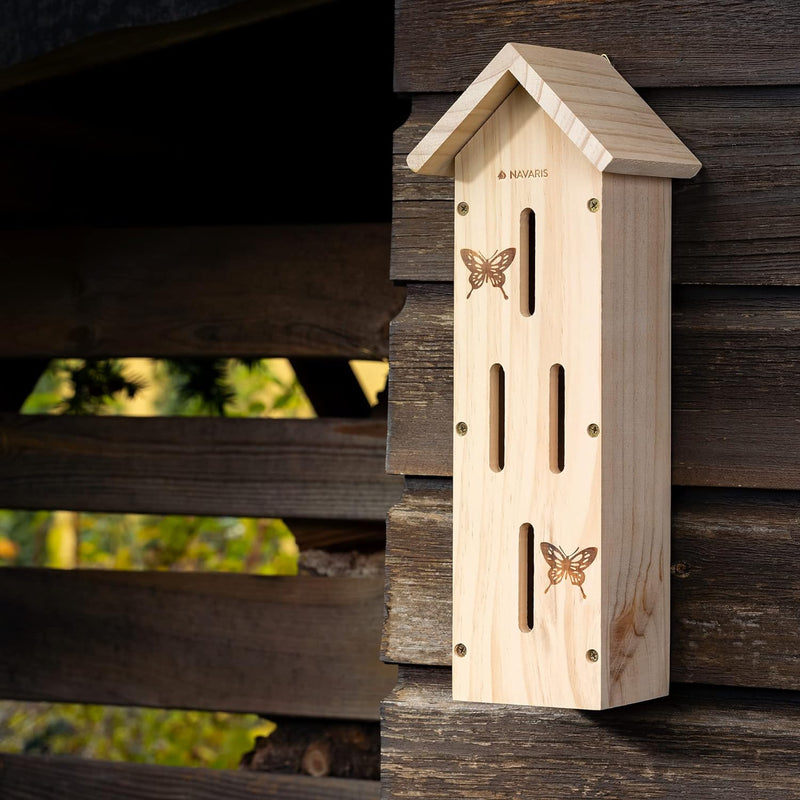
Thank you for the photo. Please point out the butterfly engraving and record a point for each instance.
(562, 565)
(482, 268)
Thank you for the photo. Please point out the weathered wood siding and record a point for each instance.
(736, 431)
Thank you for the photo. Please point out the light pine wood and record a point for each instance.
(635, 433)
(594, 106)
(602, 313)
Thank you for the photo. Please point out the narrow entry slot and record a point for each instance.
(527, 262)
(497, 417)
(557, 400)
(526, 562)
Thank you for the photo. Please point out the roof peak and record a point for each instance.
(593, 105)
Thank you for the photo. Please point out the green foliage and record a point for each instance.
(96, 383)
(128, 541)
(145, 735)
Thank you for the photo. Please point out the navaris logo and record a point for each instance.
(522, 173)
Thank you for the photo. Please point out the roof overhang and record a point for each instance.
(595, 107)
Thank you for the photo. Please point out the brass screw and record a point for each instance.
(463, 208)
(460, 650)
(461, 429)
(593, 204)
(593, 430)
(592, 655)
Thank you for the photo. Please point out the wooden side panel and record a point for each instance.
(706, 743)
(635, 433)
(226, 291)
(736, 372)
(29, 777)
(318, 468)
(735, 606)
(299, 646)
(736, 222)
(697, 44)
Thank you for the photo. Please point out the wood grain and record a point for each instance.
(699, 742)
(735, 605)
(606, 326)
(37, 777)
(674, 44)
(736, 222)
(320, 468)
(319, 290)
(299, 646)
(735, 378)
(589, 101)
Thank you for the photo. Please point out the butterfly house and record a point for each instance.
(561, 408)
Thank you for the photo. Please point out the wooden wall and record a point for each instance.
(724, 78)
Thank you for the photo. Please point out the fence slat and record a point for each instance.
(304, 290)
(39, 777)
(698, 742)
(317, 468)
(293, 646)
(441, 47)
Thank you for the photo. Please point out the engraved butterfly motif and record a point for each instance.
(482, 269)
(562, 565)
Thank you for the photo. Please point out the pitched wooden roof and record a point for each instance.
(584, 95)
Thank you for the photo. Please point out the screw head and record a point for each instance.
(460, 650)
(593, 430)
(592, 655)
(593, 204)
(461, 429)
(463, 208)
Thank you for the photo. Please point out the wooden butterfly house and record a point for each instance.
(561, 488)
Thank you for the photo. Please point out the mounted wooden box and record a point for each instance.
(562, 381)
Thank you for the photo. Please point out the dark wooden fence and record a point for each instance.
(115, 243)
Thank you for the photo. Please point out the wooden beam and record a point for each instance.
(26, 777)
(20, 376)
(83, 42)
(735, 608)
(735, 380)
(734, 223)
(321, 468)
(317, 290)
(297, 646)
(696, 44)
(332, 387)
(326, 534)
(698, 742)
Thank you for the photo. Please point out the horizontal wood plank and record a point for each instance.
(672, 44)
(297, 646)
(318, 290)
(735, 380)
(36, 777)
(698, 742)
(318, 468)
(736, 222)
(735, 607)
